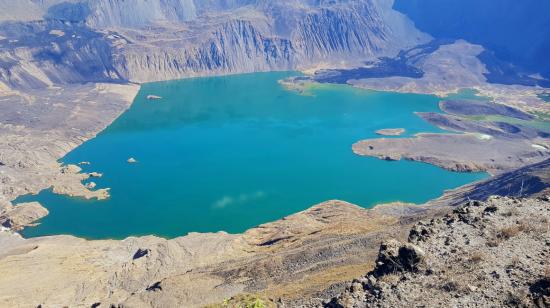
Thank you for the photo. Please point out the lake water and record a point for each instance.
(229, 153)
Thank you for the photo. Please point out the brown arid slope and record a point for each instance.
(302, 259)
(532, 180)
(290, 259)
(483, 254)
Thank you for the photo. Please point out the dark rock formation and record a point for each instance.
(532, 180)
(486, 254)
(141, 253)
(395, 257)
(154, 287)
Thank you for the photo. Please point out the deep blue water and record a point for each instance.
(229, 153)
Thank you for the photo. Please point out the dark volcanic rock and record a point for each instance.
(532, 180)
(402, 65)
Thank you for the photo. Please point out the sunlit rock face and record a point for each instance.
(44, 53)
(140, 41)
(136, 13)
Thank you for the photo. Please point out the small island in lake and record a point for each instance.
(153, 97)
(390, 131)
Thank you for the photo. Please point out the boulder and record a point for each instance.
(394, 256)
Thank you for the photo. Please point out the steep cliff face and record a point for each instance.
(354, 30)
(269, 36)
(45, 53)
(136, 13)
(235, 46)
(107, 40)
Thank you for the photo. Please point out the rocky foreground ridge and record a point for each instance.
(288, 259)
(306, 258)
(483, 254)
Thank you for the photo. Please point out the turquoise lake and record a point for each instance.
(230, 153)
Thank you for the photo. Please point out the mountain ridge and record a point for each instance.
(172, 39)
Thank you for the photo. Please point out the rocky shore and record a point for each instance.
(23, 215)
(502, 129)
(55, 121)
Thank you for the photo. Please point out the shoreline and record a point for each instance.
(69, 181)
(33, 152)
(75, 188)
(324, 235)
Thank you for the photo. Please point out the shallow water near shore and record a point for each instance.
(229, 153)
